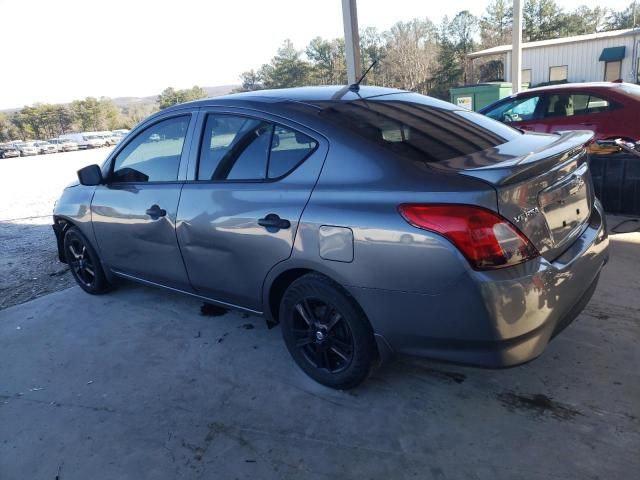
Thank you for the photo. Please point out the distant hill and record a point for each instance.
(211, 92)
(151, 99)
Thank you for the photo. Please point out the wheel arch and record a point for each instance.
(284, 274)
(279, 280)
(60, 227)
(276, 288)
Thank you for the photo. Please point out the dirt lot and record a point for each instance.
(29, 188)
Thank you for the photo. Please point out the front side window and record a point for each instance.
(558, 74)
(153, 155)
(516, 110)
(243, 148)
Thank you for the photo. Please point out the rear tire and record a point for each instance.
(326, 332)
(84, 263)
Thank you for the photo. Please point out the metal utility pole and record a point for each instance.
(516, 49)
(351, 40)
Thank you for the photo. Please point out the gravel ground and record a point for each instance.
(29, 187)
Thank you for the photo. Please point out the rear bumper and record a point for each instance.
(494, 319)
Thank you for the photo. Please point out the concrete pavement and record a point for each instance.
(138, 385)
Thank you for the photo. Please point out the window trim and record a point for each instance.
(559, 66)
(137, 132)
(610, 104)
(274, 123)
(604, 73)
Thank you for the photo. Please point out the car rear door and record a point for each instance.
(134, 213)
(575, 110)
(250, 179)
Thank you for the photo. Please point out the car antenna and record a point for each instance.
(354, 87)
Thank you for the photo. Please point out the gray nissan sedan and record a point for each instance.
(365, 221)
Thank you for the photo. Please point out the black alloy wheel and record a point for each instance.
(326, 332)
(84, 262)
(80, 262)
(322, 335)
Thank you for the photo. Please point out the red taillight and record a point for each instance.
(484, 237)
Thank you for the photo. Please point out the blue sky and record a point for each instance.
(67, 49)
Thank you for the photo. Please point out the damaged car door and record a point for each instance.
(134, 212)
(239, 211)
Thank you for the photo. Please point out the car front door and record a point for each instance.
(250, 181)
(575, 111)
(134, 212)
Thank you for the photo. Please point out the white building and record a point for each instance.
(584, 58)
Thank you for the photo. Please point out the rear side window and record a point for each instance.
(568, 105)
(288, 149)
(242, 148)
(416, 129)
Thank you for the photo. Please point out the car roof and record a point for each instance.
(308, 95)
(573, 86)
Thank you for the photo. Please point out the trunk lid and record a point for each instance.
(543, 185)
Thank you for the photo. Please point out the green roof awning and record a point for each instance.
(612, 54)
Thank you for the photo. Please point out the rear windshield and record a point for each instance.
(415, 127)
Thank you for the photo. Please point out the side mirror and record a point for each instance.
(90, 175)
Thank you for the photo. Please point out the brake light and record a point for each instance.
(486, 239)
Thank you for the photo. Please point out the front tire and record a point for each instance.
(84, 263)
(326, 332)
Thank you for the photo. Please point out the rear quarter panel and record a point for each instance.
(361, 188)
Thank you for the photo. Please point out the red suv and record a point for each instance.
(611, 110)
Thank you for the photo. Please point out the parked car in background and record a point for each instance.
(609, 109)
(45, 147)
(108, 137)
(9, 151)
(26, 148)
(84, 140)
(97, 136)
(64, 144)
(120, 134)
(365, 222)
